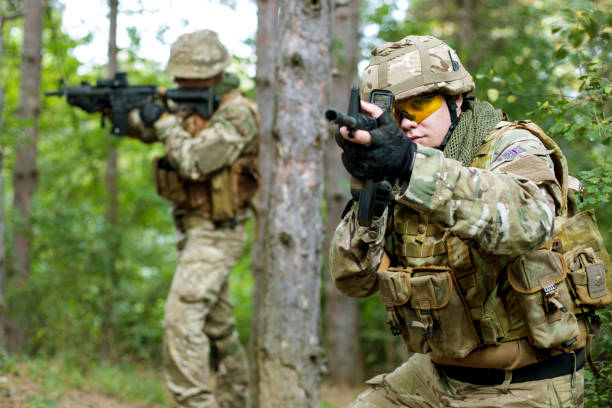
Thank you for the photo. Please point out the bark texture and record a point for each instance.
(25, 172)
(109, 350)
(344, 357)
(287, 351)
(467, 24)
(264, 95)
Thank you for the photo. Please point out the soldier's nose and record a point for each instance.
(407, 124)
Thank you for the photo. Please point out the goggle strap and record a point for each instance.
(452, 108)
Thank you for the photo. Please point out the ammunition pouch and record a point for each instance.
(183, 193)
(587, 275)
(538, 281)
(425, 306)
(581, 243)
(223, 195)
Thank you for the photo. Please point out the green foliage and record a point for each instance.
(582, 114)
(598, 391)
(64, 302)
(241, 284)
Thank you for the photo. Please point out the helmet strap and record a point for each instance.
(452, 108)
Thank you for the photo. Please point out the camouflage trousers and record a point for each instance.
(418, 384)
(199, 326)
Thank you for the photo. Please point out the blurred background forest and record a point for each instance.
(89, 294)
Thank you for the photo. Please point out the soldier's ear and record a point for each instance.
(458, 102)
(458, 99)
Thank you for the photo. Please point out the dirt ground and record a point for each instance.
(17, 390)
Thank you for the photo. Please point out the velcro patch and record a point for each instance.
(513, 152)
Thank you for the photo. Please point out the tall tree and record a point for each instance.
(25, 171)
(112, 213)
(287, 351)
(345, 365)
(5, 15)
(264, 93)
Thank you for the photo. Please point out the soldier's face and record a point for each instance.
(431, 131)
(198, 82)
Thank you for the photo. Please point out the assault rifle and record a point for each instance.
(117, 97)
(354, 119)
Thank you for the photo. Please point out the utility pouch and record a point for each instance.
(587, 278)
(424, 305)
(221, 196)
(581, 231)
(538, 280)
(168, 183)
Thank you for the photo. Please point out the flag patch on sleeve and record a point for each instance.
(513, 152)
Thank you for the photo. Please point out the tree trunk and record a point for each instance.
(112, 214)
(25, 171)
(345, 365)
(2, 247)
(264, 94)
(287, 351)
(467, 23)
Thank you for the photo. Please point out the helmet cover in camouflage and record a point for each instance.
(415, 65)
(198, 55)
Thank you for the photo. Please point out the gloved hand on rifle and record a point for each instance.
(158, 123)
(150, 113)
(388, 153)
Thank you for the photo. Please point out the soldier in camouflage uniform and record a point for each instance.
(460, 249)
(210, 174)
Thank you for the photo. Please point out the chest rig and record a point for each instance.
(228, 190)
(449, 300)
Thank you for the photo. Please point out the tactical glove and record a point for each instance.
(390, 154)
(150, 113)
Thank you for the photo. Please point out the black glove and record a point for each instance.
(150, 112)
(390, 153)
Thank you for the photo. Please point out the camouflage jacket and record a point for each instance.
(473, 220)
(230, 132)
(495, 212)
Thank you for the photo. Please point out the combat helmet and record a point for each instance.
(413, 66)
(199, 54)
(418, 65)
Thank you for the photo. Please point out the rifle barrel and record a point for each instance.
(55, 93)
(340, 118)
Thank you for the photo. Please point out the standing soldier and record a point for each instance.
(461, 251)
(210, 175)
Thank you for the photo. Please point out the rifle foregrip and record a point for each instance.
(366, 204)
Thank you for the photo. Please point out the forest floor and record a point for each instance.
(30, 385)
(20, 389)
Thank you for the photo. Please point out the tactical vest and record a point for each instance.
(228, 190)
(460, 305)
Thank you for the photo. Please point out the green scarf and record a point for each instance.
(229, 82)
(474, 125)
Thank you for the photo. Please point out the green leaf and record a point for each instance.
(493, 94)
